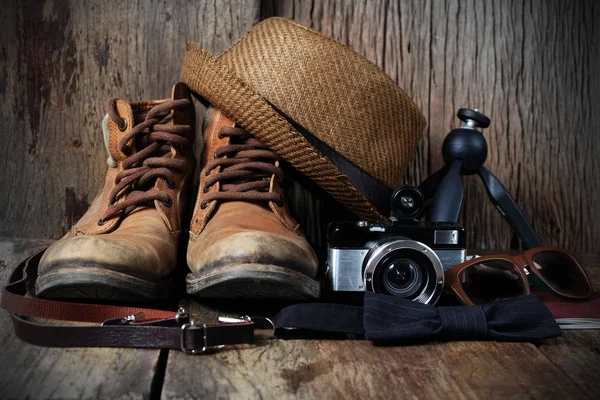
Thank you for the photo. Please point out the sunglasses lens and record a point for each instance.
(490, 280)
(561, 273)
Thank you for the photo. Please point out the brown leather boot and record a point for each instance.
(125, 246)
(243, 241)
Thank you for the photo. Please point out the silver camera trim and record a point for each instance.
(399, 244)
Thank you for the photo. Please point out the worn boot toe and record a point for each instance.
(243, 241)
(275, 267)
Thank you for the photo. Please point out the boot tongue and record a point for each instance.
(181, 116)
(141, 108)
(133, 113)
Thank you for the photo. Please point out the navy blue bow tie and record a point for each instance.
(389, 319)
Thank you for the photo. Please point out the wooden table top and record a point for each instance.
(565, 367)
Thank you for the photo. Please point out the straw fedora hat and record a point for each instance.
(329, 112)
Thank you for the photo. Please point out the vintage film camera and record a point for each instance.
(401, 258)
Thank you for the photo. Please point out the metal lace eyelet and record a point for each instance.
(203, 205)
(168, 202)
(123, 126)
(101, 222)
(170, 184)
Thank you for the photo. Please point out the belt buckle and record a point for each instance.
(264, 328)
(205, 348)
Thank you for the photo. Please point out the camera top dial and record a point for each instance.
(407, 203)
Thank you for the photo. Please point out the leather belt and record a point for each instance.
(119, 326)
(189, 337)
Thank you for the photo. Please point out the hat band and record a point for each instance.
(374, 189)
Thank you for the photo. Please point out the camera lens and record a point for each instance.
(404, 268)
(402, 277)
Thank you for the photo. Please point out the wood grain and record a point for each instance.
(577, 353)
(531, 66)
(28, 371)
(60, 61)
(357, 369)
(563, 367)
(568, 366)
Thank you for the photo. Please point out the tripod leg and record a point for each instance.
(509, 209)
(447, 201)
(430, 184)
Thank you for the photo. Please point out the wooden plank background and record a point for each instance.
(531, 65)
(60, 62)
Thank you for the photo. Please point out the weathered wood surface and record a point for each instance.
(33, 372)
(565, 367)
(60, 61)
(532, 66)
(356, 369)
(577, 353)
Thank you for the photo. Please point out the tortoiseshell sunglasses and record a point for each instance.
(488, 278)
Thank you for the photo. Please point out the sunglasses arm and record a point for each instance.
(509, 209)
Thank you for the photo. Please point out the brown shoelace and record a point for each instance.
(153, 139)
(246, 169)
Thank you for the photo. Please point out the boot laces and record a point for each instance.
(246, 167)
(153, 140)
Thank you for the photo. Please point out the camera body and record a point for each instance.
(401, 258)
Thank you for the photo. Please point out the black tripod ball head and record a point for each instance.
(467, 143)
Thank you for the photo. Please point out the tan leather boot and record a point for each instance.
(125, 246)
(243, 241)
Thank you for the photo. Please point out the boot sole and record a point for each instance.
(99, 284)
(256, 281)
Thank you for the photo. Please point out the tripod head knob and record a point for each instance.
(473, 118)
(466, 143)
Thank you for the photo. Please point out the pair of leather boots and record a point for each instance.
(243, 242)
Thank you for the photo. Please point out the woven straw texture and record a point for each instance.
(214, 81)
(335, 93)
(340, 97)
